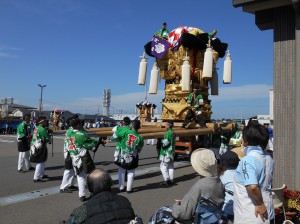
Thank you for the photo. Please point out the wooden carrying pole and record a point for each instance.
(179, 132)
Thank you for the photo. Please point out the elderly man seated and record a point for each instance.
(104, 206)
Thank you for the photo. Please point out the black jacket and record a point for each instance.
(107, 207)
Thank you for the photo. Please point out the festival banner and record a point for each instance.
(159, 46)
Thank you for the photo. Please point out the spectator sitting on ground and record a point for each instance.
(104, 206)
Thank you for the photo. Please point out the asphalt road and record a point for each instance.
(26, 202)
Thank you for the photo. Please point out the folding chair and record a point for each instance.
(278, 200)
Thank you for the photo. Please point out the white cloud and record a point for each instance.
(9, 52)
(247, 92)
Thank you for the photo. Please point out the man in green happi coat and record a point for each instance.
(79, 146)
(119, 132)
(130, 147)
(163, 32)
(38, 149)
(166, 155)
(24, 135)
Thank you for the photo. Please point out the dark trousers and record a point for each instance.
(190, 116)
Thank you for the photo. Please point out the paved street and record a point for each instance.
(22, 201)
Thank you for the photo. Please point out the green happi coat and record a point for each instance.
(66, 141)
(236, 139)
(117, 136)
(167, 150)
(131, 142)
(38, 148)
(40, 134)
(195, 102)
(78, 145)
(162, 33)
(130, 146)
(24, 129)
(24, 135)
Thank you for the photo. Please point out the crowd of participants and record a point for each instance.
(234, 185)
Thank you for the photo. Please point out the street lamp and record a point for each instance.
(41, 99)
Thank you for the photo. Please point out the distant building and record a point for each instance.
(8, 108)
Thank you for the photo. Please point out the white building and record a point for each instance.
(263, 119)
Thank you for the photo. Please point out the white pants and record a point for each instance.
(150, 141)
(130, 178)
(24, 160)
(81, 179)
(167, 170)
(67, 178)
(39, 171)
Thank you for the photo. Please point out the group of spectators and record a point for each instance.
(236, 188)
(8, 127)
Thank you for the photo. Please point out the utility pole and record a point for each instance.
(41, 99)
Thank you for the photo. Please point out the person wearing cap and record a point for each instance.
(163, 32)
(166, 154)
(38, 150)
(131, 145)
(253, 178)
(226, 171)
(209, 186)
(195, 101)
(24, 135)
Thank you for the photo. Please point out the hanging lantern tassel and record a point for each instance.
(186, 74)
(214, 83)
(208, 64)
(142, 70)
(153, 80)
(227, 69)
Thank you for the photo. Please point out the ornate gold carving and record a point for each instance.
(174, 104)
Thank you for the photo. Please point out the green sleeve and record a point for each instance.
(199, 97)
(158, 32)
(190, 98)
(83, 141)
(20, 131)
(78, 216)
(43, 134)
(120, 133)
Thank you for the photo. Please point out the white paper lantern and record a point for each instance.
(214, 84)
(227, 70)
(186, 74)
(142, 70)
(208, 64)
(153, 80)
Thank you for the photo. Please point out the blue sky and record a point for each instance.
(79, 48)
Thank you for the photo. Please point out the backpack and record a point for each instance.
(207, 212)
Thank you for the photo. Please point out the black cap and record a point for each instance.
(126, 120)
(170, 122)
(230, 160)
(165, 23)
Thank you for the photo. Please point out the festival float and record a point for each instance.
(55, 118)
(186, 60)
